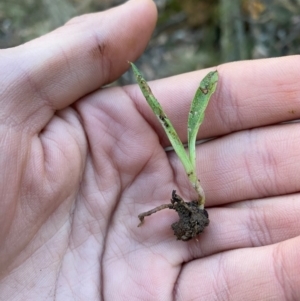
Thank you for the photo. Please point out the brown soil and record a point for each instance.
(192, 219)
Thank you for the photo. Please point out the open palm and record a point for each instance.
(78, 167)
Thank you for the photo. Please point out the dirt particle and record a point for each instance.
(192, 219)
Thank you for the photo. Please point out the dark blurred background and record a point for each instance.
(190, 34)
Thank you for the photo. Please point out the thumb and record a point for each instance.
(52, 72)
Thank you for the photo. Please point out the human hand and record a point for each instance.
(77, 172)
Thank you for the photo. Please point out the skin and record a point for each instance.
(78, 163)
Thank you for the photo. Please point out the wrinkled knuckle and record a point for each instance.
(285, 280)
(259, 231)
(98, 43)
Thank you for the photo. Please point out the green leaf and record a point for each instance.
(196, 115)
(164, 120)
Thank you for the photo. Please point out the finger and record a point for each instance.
(249, 94)
(252, 164)
(267, 273)
(242, 225)
(51, 72)
(246, 225)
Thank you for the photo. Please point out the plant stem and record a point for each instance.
(188, 161)
(196, 185)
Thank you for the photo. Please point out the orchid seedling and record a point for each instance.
(193, 216)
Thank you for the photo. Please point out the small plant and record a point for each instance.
(193, 218)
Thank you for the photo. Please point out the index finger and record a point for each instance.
(249, 94)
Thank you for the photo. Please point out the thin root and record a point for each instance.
(154, 210)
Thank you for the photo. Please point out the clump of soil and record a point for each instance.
(192, 219)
